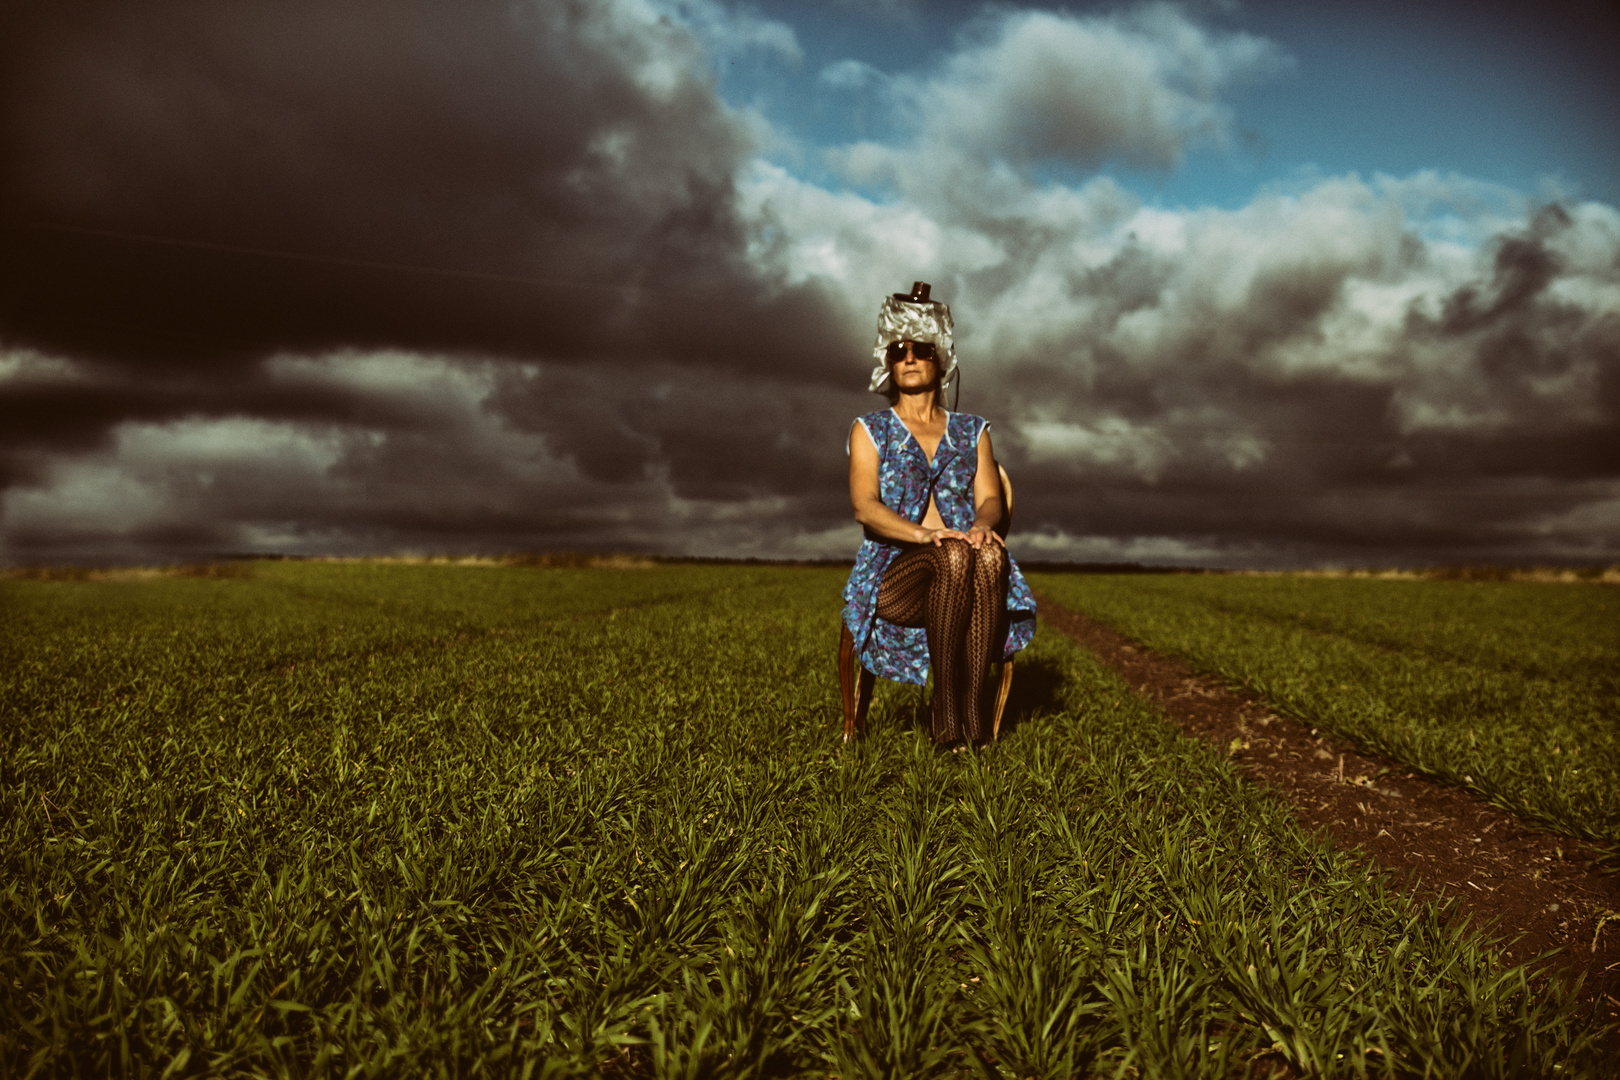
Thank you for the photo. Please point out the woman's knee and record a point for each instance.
(989, 566)
(953, 558)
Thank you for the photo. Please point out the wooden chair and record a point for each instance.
(856, 683)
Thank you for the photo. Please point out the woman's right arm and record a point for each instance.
(869, 509)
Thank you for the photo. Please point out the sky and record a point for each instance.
(1249, 284)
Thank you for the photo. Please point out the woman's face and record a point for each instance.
(914, 366)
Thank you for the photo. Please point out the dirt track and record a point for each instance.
(1539, 891)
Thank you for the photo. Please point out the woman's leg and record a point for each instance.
(903, 593)
(984, 625)
(950, 600)
(931, 586)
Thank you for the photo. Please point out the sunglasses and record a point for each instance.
(921, 350)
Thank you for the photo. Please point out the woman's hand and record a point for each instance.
(980, 535)
(939, 536)
(977, 536)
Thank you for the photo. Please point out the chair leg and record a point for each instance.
(863, 700)
(1002, 689)
(855, 686)
(846, 678)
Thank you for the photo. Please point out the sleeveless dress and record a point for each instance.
(905, 482)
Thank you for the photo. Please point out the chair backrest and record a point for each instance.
(1005, 524)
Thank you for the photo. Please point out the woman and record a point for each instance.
(933, 585)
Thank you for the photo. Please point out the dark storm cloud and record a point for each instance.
(190, 189)
(446, 454)
(199, 184)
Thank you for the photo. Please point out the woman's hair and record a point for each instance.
(918, 319)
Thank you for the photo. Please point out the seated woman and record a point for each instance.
(933, 584)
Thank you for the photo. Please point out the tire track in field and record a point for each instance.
(1534, 889)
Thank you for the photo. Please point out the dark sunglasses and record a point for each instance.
(922, 350)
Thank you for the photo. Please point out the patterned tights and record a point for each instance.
(957, 593)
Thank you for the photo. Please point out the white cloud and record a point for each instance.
(1056, 545)
(154, 476)
(1112, 441)
(730, 31)
(851, 75)
(430, 390)
(1290, 354)
(1044, 86)
(28, 365)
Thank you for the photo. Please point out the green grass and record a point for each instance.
(1509, 689)
(402, 821)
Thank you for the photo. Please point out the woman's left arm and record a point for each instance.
(986, 496)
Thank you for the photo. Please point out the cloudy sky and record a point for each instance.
(1242, 284)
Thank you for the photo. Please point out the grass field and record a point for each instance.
(1510, 689)
(399, 821)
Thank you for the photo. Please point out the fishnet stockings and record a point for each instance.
(957, 593)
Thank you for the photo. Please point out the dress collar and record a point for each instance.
(944, 453)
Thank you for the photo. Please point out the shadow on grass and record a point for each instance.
(1035, 688)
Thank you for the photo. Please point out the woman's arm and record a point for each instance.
(987, 507)
(869, 509)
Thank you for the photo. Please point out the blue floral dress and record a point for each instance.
(906, 480)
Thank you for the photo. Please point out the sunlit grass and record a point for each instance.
(403, 820)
